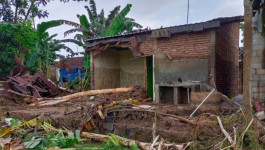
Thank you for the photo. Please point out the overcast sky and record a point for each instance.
(149, 13)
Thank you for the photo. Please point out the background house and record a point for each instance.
(71, 68)
(170, 62)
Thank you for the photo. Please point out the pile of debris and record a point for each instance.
(110, 115)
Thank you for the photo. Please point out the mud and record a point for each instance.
(136, 124)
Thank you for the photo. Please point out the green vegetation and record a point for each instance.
(8, 48)
(49, 137)
(36, 48)
(99, 26)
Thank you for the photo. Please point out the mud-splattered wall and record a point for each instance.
(107, 69)
(166, 70)
(118, 68)
(131, 69)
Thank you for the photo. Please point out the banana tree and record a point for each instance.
(46, 47)
(99, 26)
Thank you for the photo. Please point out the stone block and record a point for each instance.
(261, 95)
(262, 77)
(258, 59)
(258, 47)
(257, 53)
(256, 65)
(258, 40)
(260, 115)
(261, 89)
(255, 95)
(255, 78)
(261, 83)
(260, 71)
(254, 89)
(253, 71)
(254, 83)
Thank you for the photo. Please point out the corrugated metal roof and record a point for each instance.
(214, 23)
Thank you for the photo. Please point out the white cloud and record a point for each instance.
(228, 8)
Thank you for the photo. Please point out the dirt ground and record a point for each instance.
(124, 119)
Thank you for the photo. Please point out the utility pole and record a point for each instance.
(188, 11)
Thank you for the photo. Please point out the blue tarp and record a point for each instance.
(70, 76)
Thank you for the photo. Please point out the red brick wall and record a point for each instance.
(186, 45)
(181, 46)
(226, 56)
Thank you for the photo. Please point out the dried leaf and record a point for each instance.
(4, 141)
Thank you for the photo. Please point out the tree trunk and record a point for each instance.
(57, 100)
(22, 57)
(16, 14)
(29, 10)
(247, 59)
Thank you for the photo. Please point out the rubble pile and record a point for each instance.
(122, 118)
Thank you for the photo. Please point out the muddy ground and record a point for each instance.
(126, 120)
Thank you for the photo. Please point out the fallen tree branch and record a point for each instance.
(223, 97)
(243, 134)
(154, 142)
(224, 131)
(228, 101)
(123, 141)
(11, 91)
(57, 100)
(160, 113)
(154, 128)
(65, 89)
(234, 143)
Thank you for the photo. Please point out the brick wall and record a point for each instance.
(181, 46)
(186, 45)
(199, 45)
(221, 53)
(226, 56)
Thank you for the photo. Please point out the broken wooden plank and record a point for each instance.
(57, 100)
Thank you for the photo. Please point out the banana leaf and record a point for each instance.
(117, 23)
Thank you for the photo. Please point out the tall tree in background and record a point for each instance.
(20, 11)
(8, 47)
(40, 46)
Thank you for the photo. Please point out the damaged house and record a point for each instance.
(170, 62)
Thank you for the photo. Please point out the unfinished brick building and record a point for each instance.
(170, 62)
